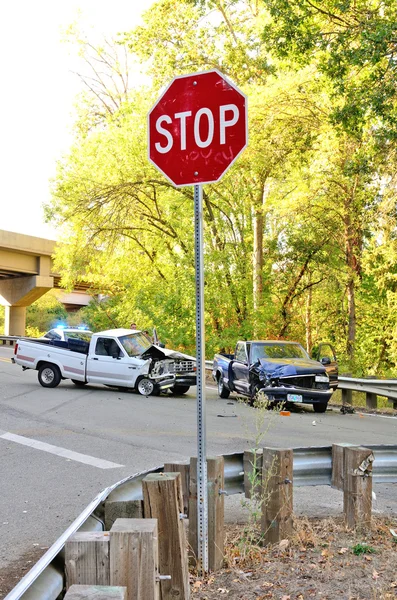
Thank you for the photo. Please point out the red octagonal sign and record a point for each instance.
(197, 128)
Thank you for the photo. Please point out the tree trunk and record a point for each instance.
(257, 271)
(308, 319)
(258, 259)
(351, 308)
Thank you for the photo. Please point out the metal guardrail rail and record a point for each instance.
(8, 340)
(380, 387)
(312, 466)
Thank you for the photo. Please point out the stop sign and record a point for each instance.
(197, 128)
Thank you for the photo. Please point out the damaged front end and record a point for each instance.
(290, 382)
(158, 368)
(182, 366)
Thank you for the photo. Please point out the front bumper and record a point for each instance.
(185, 379)
(164, 383)
(309, 395)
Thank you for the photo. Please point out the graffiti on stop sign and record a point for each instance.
(197, 128)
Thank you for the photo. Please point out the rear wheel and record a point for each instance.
(49, 375)
(146, 387)
(222, 390)
(79, 383)
(321, 407)
(179, 389)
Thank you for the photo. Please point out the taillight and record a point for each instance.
(16, 349)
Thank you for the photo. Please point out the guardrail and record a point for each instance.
(311, 466)
(370, 387)
(8, 340)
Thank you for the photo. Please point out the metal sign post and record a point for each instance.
(196, 130)
(202, 493)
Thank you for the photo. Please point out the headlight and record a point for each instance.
(322, 378)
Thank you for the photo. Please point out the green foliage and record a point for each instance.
(300, 236)
(45, 313)
(362, 548)
(352, 43)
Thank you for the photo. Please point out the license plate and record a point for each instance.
(294, 398)
(322, 378)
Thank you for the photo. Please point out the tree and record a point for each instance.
(352, 43)
(46, 313)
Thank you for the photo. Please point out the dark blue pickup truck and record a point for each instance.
(281, 370)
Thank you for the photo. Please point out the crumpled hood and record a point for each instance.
(289, 367)
(157, 352)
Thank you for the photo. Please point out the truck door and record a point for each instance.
(326, 356)
(110, 365)
(240, 369)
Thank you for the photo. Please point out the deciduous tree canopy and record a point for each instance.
(300, 232)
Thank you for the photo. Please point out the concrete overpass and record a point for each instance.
(27, 273)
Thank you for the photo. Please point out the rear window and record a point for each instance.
(78, 335)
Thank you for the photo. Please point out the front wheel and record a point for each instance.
(179, 389)
(49, 375)
(145, 387)
(321, 407)
(222, 390)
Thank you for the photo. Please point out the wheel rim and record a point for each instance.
(145, 387)
(47, 375)
(220, 385)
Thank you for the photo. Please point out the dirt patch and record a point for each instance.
(13, 572)
(324, 560)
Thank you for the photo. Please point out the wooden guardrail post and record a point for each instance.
(162, 499)
(277, 486)
(184, 469)
(134, 559)
(357, 492)
(96, 592)
(87, 559)
(347, 395)
(253, 462)
(122, 509)
(337, 476)
(371, 400)
(216, 511)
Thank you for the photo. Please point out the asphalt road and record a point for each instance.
(60, 447)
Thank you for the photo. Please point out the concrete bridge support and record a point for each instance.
(18, 293)
(15, 320)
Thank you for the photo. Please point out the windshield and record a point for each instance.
(135, 344)
(277, 350)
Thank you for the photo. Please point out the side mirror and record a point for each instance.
(161, 345)
(325, 360)
(116, 355)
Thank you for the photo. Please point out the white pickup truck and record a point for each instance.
(117, 357)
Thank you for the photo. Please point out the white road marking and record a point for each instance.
(63, 452)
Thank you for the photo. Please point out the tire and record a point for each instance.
(79, 383)
(179, 389)
(321, 407)
(145, 387)
(222, 391)
(49, 375)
